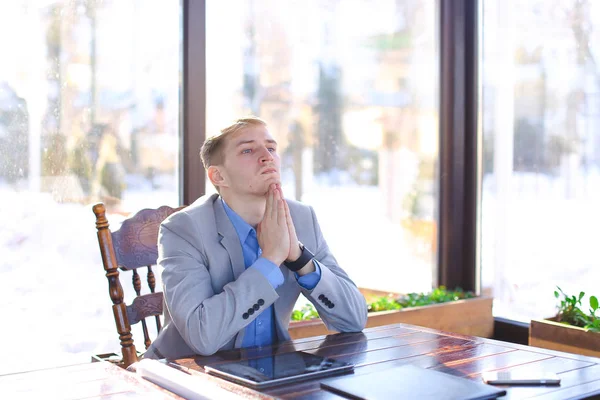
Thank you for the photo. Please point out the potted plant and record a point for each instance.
(448, 310)
(572, 329)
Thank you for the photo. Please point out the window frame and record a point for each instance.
(193, 104)
(459, 165)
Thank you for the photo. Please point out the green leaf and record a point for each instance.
(556, 294)
(307, 312)
(570, 312)
(384, 303)
(296, 315)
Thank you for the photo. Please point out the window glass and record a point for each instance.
(541, 153)
(89, 111)
(350, 92)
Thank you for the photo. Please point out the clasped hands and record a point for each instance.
(276, 232)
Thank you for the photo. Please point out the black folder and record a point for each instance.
(410, 382)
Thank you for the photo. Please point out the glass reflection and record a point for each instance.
(89, 111)
(541, 153)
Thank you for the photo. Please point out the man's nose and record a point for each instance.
(266, 155)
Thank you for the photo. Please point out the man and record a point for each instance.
(235, 263)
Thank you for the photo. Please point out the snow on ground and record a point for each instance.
(55, 298)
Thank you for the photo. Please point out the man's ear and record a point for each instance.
(216, 177)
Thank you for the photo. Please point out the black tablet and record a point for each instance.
(269, 371)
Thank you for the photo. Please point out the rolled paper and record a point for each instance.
(188, 386)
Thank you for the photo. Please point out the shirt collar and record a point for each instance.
(242, 228)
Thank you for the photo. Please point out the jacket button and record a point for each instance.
(245, 316)
(330, 305)
(261, 302)
(256, 307)
(321, 297)
(250, 311)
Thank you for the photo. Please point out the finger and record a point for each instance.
(276, 201)
(269, 204)
(281, 215)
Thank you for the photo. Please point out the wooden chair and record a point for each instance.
(132, 246)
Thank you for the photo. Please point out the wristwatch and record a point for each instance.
(304, 258)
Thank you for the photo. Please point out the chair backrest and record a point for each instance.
(132, 246)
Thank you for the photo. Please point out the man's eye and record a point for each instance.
(272, 149)
(246, 151)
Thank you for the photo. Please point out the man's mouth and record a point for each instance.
(269, 171)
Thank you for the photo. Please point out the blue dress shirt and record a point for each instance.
(261, 331)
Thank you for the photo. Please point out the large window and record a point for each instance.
(353, 102)
(89, 111)
(541, 142)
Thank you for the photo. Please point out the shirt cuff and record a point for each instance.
(270, 271)
(309, 281)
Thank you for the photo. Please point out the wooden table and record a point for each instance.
(373, 350)
(393, 345)
(101, 380)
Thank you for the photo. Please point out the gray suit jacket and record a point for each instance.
(208, 291)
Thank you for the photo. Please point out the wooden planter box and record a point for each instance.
(553, 335)
(468, 317)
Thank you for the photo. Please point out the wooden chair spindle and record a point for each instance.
(147, 340)
(152, 286)
(151, 279)
(137, 282)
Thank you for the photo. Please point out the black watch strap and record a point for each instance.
(304, 258)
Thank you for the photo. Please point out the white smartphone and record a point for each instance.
(520, 378)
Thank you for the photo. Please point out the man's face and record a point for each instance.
(250, 162)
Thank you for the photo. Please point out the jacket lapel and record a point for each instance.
(229, 239)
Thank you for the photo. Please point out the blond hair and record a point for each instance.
(211, 152)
